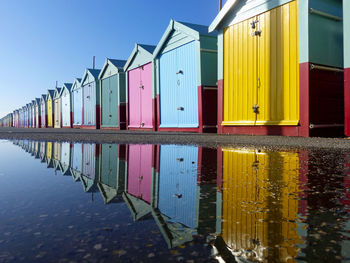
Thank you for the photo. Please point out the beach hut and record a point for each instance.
(77, 103)
(66, 104)
(90, 167)
(91, 99)
(66, 149)
(185, 78)
(274, 76)
(15, 118)
(141, 96)
(57, 108)
(49, 108)
(112, 172)
(29, 107)
(33, 114)
(346, 22)
(113, 99)
(21, 119)
(264, 184)
(43, 111)
(25, 116)
(77, 161)
(37, 113)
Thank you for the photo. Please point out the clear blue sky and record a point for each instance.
(42, 41)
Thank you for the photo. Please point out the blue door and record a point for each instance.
(77, 106)
(178, 184)
(178, 87)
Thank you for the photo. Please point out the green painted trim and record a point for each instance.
(139, 54)
(106, 65)
(238, 11)
(346, 21)
(303, 7)
(220, 55)
(76, 84)
(174, 26)
(199, 65)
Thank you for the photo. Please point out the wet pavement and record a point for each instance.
(88, 202)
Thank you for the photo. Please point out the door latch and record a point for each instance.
(142, 87)
(142, 124)
(110, 115)
(180, 159)
(253, 24)
(256, 108)
(180, 108)
(180, 72)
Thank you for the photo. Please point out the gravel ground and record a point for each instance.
(208, 140)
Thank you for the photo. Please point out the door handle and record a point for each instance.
(179, 72)
(180, 108)
(180, 159)
(142, 87)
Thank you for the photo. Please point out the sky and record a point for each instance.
(44, 41)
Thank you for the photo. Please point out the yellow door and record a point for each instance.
(261, 69)
(260, 205)
(49, 113)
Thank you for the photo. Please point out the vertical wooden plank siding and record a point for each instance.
(49, 113)
(77, 106)
(140, 171)
(134, 100)
(259, 209)
(262, 70)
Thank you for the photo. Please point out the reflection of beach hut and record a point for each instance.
(77, 103)
(185, 185)
(49, 155)
(280, 67)
(66, 158)
(112, 90)
(25, 116)
(259, 191)
(49, 108)
(91, 99)
(90, 167)
(43, 111)
(37, 112)
(112, 174)
(186, 76)
(66, 104)
(141, 96)
(77, 161)
(37, 150)
(57, 155)
(43, 152)
(57, 108)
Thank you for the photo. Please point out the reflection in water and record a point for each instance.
(246, 204)
(259, 204)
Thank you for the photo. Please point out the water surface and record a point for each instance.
(63, 202)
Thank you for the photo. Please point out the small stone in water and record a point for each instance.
(98, 246)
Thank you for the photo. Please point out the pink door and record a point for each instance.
(134, 98)
(146, 96)
(140, 171)
(140, 97)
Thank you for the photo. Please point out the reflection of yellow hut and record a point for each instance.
(259, 204)
(49, 154)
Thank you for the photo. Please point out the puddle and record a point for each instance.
(66, 202)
